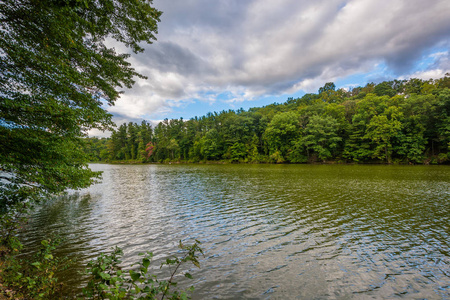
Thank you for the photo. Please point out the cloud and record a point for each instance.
(173, 58)
(255, 48)
(439, 67)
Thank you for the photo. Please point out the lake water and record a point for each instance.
(269, 231)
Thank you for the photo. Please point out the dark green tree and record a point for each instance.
(385, 89)
(321, 137)
(283, 128)
(358, 146)
(56, 74)
(382, 129)
(381, 122)
(211, 145)
(237, 151)
(329, 86)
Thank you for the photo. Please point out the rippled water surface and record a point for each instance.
(270, 231)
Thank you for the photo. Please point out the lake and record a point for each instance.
(268, 231)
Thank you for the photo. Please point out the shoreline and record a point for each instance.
(213, 162)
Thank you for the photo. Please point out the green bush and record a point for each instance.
(25, 278)
(109, 281)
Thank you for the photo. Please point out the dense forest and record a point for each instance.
(399, 121)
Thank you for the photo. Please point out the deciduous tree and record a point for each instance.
(56, 75)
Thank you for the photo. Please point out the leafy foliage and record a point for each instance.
(56, 73)
(393, 121)
(10, 223)
(321, 137)
(33, 278)
(109, 281)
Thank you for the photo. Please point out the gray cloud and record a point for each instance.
(222, 15)
(442, 61)
(171, 57)
(253, 48)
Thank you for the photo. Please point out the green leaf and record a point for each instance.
(134, 275)
(105, 276)
(146, 262)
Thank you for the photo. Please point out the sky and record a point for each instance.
(214, 55)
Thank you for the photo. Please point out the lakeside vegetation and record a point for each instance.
(56, 73)
(399, 121)
(57, 70)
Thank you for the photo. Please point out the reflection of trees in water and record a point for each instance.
(264, 223)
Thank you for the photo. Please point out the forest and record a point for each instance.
(399, 121)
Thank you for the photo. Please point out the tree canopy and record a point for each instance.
(404, 121)
(56, 75)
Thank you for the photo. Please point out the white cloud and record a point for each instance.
(429, 74)
(255, 48)
(98, 133)
(437, 69)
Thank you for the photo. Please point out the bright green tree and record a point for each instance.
(253, 149)
(173, 148)
(283, 128)
(211, 146)
(56, 73)
(237, 151)
(384, 89)
(321, 137)
(382, 129)
(358, 146)
(410, 143)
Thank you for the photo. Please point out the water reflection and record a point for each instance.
(307, 232)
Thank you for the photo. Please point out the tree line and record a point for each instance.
(399, 121)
